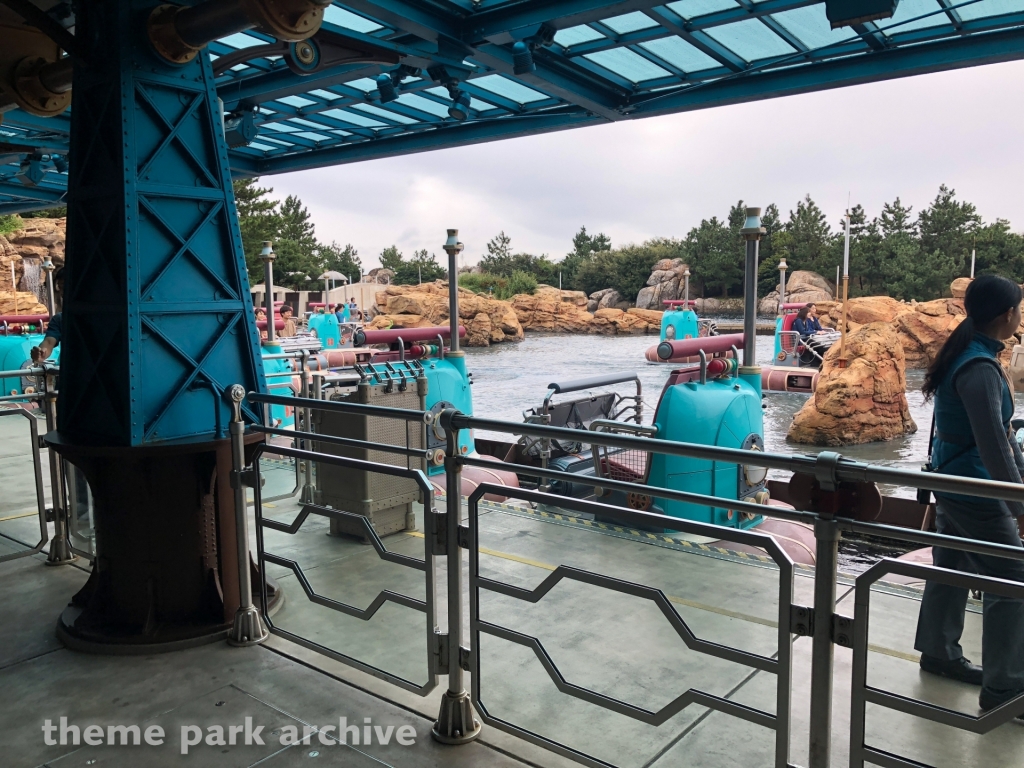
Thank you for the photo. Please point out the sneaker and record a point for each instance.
(988, 700)
(958, 669)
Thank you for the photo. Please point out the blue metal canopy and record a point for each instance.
(579, 62)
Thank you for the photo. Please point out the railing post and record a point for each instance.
(456, 721)
(248, 627)
(307, 480)
(826, 535)
(60, 545)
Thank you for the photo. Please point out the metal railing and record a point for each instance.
(444, 535)
(61, 551)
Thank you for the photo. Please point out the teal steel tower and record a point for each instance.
(157, 323)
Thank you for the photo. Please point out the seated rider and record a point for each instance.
(806, 323)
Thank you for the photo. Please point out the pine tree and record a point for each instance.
(391, 258)
(583, 248)
(257, 220)
(812, 238)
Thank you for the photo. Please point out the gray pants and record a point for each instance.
(941, 621)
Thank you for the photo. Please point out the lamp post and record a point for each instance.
(846, 291)
(752, 232)
(453, 248)
(267, 256)
(782, 283)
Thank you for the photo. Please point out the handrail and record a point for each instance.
(425, 417)
(827, 465)
(575, 385)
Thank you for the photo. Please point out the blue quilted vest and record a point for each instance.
(951, 422)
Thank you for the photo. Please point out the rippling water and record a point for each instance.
(509, 378)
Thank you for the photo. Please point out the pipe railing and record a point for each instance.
(458, 722)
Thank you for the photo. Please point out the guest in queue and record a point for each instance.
(972, 438)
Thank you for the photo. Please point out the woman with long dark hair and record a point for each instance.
(972, 438)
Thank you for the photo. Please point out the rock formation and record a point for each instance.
(27, 248)
(487, 320)
(863, 402)
(802, 287)
(557, 311)
(922, 328)
(607, 298)
(664, 284)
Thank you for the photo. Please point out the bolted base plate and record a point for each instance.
(456, 722)
(248, 628)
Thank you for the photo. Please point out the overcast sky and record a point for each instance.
(660, 176)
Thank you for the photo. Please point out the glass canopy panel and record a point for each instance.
(423, 104)
(262, 147)
(364, 84)
(510, 89)
(354, 118)
(688, 9)
(296, 101)
(911, 9)
(312, 136)
(325, 95)
(811, 27)
(628, 65)
(987, 8)
(241, 40)
(681, 54)
(576, 35)
(384, 113)
(280, 127)
(629, 22)
(750, 40)
(342, 18)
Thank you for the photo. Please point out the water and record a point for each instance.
(509, 378)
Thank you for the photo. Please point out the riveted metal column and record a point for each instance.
(157, 313)
(456, 721)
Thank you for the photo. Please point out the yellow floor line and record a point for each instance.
(690, 603)
(18, 517)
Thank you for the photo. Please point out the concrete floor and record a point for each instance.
(614, 644)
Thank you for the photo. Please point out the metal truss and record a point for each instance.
(591, 62)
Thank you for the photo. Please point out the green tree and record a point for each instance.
(946, 229)
(711, 254)
(999, 251)
(335, 258)
(47, 213)
(422, 264)
(768, 262)
(812, 239)
(583, 245)
(258, 221)
(10, 222)
(391, 258)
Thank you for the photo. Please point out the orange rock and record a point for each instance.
(863, 402)
(959, 287)
(922, 335)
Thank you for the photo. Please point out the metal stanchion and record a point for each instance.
(60, 545)
(306, 496)
(826, 534)
(248, 627)
(456, 722)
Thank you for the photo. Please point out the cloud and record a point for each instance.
(661, 176)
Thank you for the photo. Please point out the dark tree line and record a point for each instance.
(899, 252)
(301, 257)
